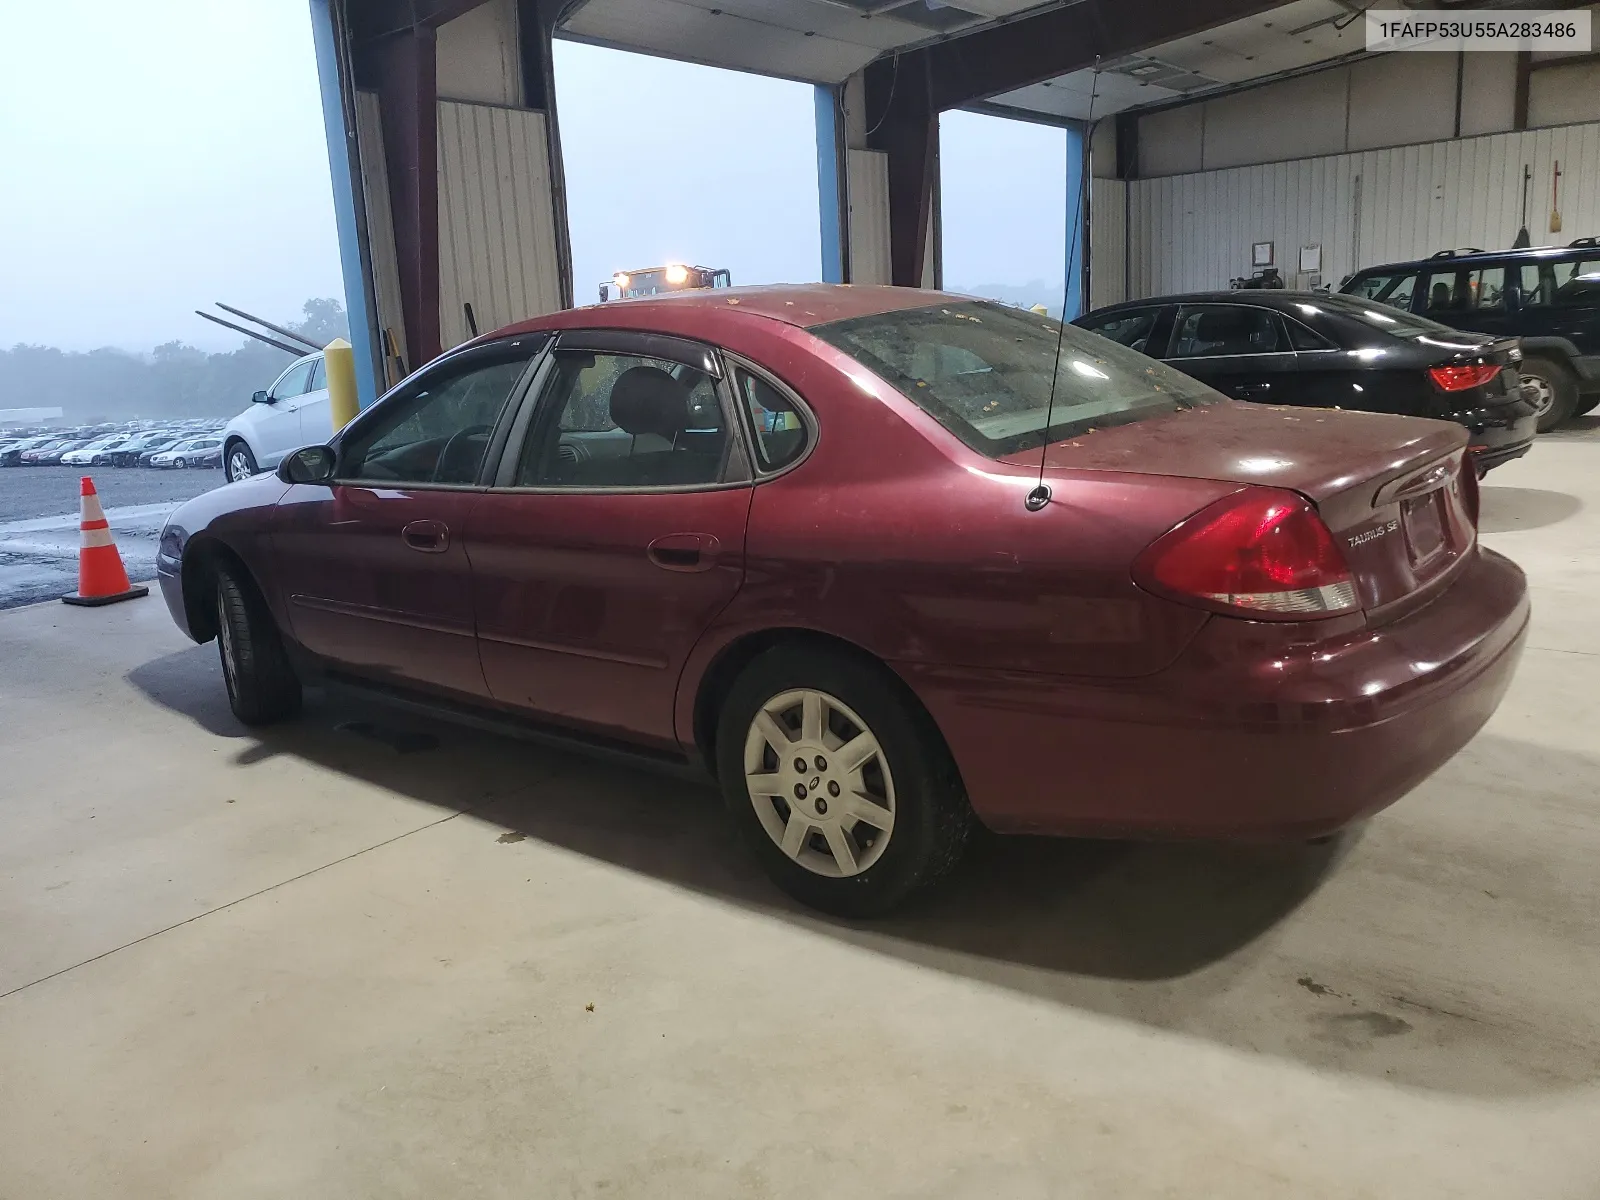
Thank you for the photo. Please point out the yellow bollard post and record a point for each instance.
(341, 367)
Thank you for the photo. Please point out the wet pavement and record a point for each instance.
(39, 523)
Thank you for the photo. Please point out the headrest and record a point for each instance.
(648, 400)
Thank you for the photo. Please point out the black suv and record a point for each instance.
(1549, 297)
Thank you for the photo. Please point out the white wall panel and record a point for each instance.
(1398, 98)
(1488, 92)
(497, 231)
(1193, 232)
(380, 233)
(1569, 92)
(477, 56)
(1299, 116)
(1108, 242)
(1170, 141)
(868, 174)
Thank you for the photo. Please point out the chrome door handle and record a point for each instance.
(684, 552)
(430, 537)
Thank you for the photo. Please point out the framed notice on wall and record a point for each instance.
(1311, 258)
(1261, 254)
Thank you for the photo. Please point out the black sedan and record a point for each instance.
(1333, 351)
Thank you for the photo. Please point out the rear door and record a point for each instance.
(1242, 350)
(614, 535)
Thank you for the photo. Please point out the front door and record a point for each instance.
(277, 423)
(373, 567)
(1240, 349)
(614, 536)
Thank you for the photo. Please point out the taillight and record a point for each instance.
(1459, 379)
(1261, 552)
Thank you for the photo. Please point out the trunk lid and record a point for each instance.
(1389, 488)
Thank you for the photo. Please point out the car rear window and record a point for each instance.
(985, 372)
(1380, 316)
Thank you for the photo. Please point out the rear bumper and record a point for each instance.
(1248, 735)
(1487, 458)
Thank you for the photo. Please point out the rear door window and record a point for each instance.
(625, 421)
(1458, 290)
(1217, 330)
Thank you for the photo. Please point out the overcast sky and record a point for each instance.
(165, 156)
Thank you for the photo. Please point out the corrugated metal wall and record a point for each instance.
(1194, 232)
(497, 235)
(1108, 242)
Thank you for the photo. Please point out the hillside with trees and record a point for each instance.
(174, 380)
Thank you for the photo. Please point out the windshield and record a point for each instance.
(1380, 316)
(985, 372)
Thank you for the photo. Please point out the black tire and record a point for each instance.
(932, 820)
(1562, 385)
(237, 461)
(262, 686)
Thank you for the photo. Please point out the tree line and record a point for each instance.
(175, 380)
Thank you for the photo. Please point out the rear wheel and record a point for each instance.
(839, 782)
(1555, 390)
(262, 686)
(240, 463)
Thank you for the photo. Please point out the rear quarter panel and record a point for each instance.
(895, 537)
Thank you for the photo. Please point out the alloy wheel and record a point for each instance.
(238, 465)
(1544, 396)
(820, 783)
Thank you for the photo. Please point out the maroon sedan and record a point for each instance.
(797, 536)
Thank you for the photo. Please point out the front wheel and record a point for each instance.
(262, 686)
(1555, 391)
(240, 463)
(839, 781)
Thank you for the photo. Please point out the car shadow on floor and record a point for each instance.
(1513, 509)
(1179, 937)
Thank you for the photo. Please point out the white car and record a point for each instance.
(196, 452)
(85, 455)
(293, 412)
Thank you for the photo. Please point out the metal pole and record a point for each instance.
(260, 337)
(288, 333)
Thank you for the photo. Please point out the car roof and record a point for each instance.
(1527, 254)
(698, 312)
(1265, 297)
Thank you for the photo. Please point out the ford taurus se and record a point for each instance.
(884, 562)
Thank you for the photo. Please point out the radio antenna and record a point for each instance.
(1040, 495)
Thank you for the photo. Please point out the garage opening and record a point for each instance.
(1005, 191)
(670, 163)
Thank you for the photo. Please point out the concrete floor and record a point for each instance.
(308, 963)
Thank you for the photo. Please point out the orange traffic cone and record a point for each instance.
(101, 577)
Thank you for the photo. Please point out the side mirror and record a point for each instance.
(260, 397)
(309, 464)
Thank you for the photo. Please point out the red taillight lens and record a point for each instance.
(1459, 379)
(1261, 552)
